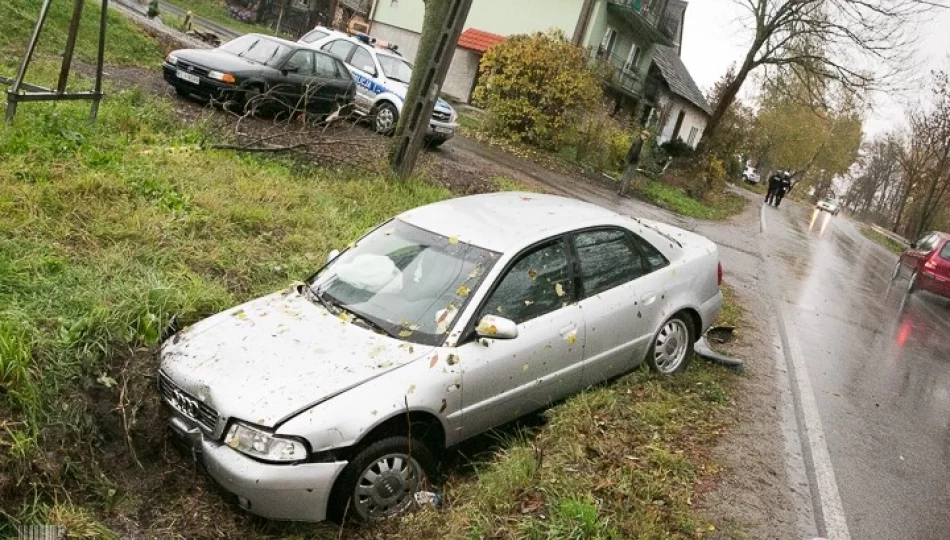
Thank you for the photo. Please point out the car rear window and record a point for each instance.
(945, 252)
(313, 35)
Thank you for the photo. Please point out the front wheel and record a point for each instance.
(672, 347)
(385, 119)
(381, 481)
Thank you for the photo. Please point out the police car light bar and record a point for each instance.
(370, 40)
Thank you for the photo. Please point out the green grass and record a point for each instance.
(217, 11)
(721, 207)
(885, 241)
(108, 232)
(621, 461)
(761, 188)
(504, 183)
(125, 43)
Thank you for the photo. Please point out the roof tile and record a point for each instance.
(479, 40)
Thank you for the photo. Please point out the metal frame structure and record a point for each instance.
(21, 91)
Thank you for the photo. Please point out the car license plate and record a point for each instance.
(193, 79)
(442, 130)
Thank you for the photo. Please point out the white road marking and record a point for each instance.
(829, 509)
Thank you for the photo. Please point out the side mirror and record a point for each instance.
(291, 69)
(333, 255)
(494, 327)
(913, 245)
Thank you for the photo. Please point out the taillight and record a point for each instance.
(931, 263)
(719, 274)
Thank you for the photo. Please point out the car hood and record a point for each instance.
(400, 89)
(217, 60)
(277, 355)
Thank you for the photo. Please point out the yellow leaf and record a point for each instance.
(572, 337)
(464, 290)
(559, 289)
(345, 317)
(412, 389)
(405, 333)
(453, 240)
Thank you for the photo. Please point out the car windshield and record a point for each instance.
(395, 68)
(408, 282)
(257, 49)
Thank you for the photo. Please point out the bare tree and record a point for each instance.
(859, 44)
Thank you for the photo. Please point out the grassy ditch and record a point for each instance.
(886, 242)
(720, 206)
(126, 44)
(108, 232)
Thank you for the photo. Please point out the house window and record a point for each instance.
(302, 4)
(633, 58)
(693, 133)
(607, 45)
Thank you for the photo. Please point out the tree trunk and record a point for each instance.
(441, 27)
(729, 95)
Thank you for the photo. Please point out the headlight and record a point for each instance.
(172, 59)
(219, 76)
(263, 445)
(454, 116)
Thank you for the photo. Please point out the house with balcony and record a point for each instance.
(621, 35)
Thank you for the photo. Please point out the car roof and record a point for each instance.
(502, 221)
(282, 41)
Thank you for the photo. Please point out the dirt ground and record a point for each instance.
(752, 496)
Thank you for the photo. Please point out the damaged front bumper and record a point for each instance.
(297, 492)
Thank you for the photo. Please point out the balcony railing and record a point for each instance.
(652, 11)
(617, 72)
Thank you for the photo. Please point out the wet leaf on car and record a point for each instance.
(559, 289)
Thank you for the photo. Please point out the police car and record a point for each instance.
(382, 78)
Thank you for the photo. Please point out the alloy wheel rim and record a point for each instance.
(669, 349)
(387, 486)
(384, 119)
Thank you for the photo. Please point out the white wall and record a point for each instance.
(462, 70)
(694, 117)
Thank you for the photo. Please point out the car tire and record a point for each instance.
(385, 118)
(253, 103)
(400, 465)
(897, 271)
(434, 143)
(912, 283)
(671, 349)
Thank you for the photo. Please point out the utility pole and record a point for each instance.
(443, 24)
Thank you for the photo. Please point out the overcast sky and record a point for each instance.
(714, 38)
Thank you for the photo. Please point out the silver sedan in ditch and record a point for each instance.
(333, 398)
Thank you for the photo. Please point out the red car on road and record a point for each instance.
(928, 261)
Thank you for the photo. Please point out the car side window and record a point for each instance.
(340, 48)
(655, 259)
(363, 61)
(945, 252)
(607, 259)
(303, 61)
(325, 66)
(537, 284)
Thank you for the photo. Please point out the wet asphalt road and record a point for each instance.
(879, 365)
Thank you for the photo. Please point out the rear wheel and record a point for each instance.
(912, 283)
(381, 481)
(672, 347)
(385, 118)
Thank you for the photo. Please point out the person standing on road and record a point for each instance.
(633, 161)
(784, 186)
(774, 182)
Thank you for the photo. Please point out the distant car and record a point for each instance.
(750, 176)
(382, 78)
(262, 72)
(830, 205)
(928, 261)
(336, 395)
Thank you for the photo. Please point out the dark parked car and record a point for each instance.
(928, 261)
(262, 73)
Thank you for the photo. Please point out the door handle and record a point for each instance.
(648, 298)
(567, 330)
